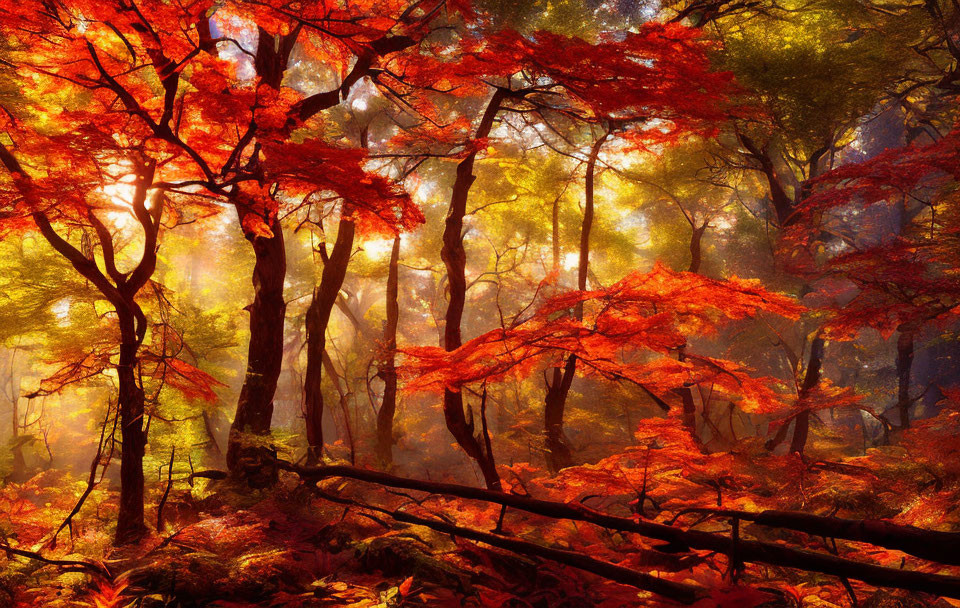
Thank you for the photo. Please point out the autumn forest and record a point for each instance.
(484, 303)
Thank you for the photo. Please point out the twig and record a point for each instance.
(166, 492)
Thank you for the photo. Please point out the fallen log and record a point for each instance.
(931, 545)
(678, 592)
(68, 565)
(747, 550)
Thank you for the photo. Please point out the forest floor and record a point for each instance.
(293, 545)
(287, 547)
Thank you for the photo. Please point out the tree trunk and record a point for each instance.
(18, 472)
(696, 250)
(557, 450)
(246, 458)
(782, 203)
(904, 367)
(810, 380)
(264, 357)
(133, 439)
(388, 369)
(686, 392)
(455, 259)
(318, 318)
(689, 415)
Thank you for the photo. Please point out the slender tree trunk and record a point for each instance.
(264, 357)
(689, 415)
(696, 249)
(904, 367)
(120, 289)
(318, 318)
(388, 369)
(455, 259)
(343, 392)
(325, 296)
(130, 524)
(212, 444)
(557, 451)
(19, 470)
(810, 380)
(686, 393)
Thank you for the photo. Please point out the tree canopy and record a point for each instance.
(479, 303)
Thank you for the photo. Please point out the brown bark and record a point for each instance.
(455, 259)
(264, 357)
(325, 296)
(362, 67)
(273, 53)
(748, 551)
(810, 380)
(133, 327)
(255, 407)
(130, 524)
(905, 348)
(265, 352)
(318, 318)
(782, 203)
(927, 544)
(687, 400)
(696, 249)
(388, 368)
(557, 451)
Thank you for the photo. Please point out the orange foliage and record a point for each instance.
(626, 334)
(377, 205)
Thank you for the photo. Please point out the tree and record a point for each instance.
(71, 175)
(631, 82)
(371, 204)
(802, 129)
(903, 281)
(388, 368)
